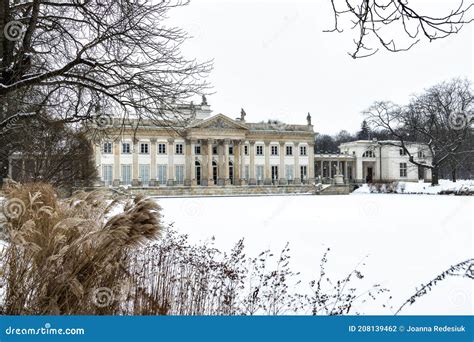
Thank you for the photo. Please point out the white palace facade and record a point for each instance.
(212, 150)
(215, 154)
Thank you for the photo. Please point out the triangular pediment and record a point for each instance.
(219, 121)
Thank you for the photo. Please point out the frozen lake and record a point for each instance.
(408, 239)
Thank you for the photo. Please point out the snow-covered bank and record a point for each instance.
(444, 187)
(408, 239)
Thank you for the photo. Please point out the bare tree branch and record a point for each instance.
(378, 21)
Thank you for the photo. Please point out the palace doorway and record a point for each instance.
(198, 172)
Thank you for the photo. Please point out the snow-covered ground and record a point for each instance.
(408, 239)
(445, 186)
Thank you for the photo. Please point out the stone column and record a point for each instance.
(187, 156)
(282, 178)
(359, 170)
(346, 176)
(267, 173)
(220, 163)
(116, 175)
(322, 168)
(242, 163)
(226, 162)
(210, 179)
(252, 180)
(152, 162)
(296, 152)
(311, 176)
(135, 181)
(204, 163)
(170, 181)
(237, 169)
(193, 162)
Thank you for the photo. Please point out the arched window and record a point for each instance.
(368, 154)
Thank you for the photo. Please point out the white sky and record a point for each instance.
(272, 58)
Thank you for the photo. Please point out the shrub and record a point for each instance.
(58, 253)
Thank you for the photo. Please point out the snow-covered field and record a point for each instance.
(445, 186)
(409, 239)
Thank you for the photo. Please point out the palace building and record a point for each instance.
(217, 155)
(367, 161)
(210, 151)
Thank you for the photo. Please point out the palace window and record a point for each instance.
(126, 174)
(231, 149)
(274, 150)
(403, 152)
(303, 151)
(107, 148)
(246, 150)
(403, 169)
(421, 154)
(161, 148)
(368, 154)
(197, 149)
(214, 149)
(126, 148)
(162, 173)
(107, 174)
(289, 150)
(144, 148)
(259, 150)
(274, 170)
(179, 174)
(259, 172)
(303, 172)
(179, 149)
(144, 173)
(289, 172)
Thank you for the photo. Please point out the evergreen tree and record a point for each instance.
(364, 133)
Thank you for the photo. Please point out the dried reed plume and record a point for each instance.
(58, 253)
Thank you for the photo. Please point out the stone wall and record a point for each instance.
(342, 189)
(185, 191)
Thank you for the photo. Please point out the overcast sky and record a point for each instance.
(272, 58)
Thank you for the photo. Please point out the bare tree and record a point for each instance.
(67, 58)
(440, 119)
(377, 22)
(51, 152)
